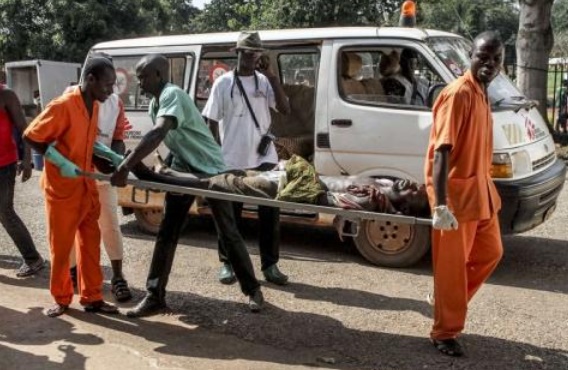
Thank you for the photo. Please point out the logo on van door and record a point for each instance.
(530, 129)
(533, 132)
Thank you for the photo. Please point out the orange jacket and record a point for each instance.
(66, 122)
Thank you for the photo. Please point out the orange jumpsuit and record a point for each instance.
(72, 205)
(464, 258)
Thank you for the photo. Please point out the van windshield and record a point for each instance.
(454, 53)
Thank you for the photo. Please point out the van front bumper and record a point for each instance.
(529, 202)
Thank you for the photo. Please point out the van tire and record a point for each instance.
(389, 244)
(148, 219)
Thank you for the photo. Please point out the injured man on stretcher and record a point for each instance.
(295, 180)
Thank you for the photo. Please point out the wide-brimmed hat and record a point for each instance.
(249, 41)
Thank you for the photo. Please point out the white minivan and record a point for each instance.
(361, 103)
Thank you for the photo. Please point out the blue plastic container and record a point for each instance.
(37, 160)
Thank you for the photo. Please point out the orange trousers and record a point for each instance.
(69, 222)
(463, 259)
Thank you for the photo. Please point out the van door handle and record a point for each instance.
(341, 122)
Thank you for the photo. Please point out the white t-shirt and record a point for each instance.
(239, 135)
(108, 115)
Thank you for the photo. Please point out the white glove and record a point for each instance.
(443, 219)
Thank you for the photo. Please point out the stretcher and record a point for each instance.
(354, 216)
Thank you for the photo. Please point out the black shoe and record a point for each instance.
(30, 269)
(148, 306)
(275, 276)
(449, 347)
(256, 301)
(101, 307)
(227, 275)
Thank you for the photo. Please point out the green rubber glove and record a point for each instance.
(104, 151)
(66, 167)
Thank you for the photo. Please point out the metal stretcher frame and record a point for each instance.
(348, 214)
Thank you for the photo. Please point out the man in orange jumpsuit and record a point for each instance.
(460, 189)
(65, 133)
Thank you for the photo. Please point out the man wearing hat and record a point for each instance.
(238, 114)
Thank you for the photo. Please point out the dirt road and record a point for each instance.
(339, 312)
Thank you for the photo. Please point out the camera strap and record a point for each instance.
(243, 92)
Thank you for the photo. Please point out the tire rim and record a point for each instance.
(389, 237)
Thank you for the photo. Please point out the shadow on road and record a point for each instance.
(299, 242)
(354, 298)
(221, 329)
(224, 330)
(11, 358)
(528, 262)
(534, 263)
(34, 328)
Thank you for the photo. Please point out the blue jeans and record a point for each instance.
(10, 220)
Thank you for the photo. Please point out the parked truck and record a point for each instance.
(37, 82)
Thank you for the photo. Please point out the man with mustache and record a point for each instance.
(466, 240)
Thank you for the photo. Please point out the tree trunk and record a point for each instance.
(534, 43)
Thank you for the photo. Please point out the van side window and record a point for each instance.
(380, 75)
(209, 70)
(294, 132)
(298, 69)
(127, 82)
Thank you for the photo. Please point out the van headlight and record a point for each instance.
(521, 163)
(506, 165)
(501, 166)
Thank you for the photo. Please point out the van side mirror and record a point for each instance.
(433, 93)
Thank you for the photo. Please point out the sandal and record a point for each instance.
(449, 347)
(119, 288)
(56, 310)
(101, 307)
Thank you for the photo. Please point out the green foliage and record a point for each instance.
(234, 15)
(559, 20)
(66, 29)
(559, 16)
(469, 18)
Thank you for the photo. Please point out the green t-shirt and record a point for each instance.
(193, 147)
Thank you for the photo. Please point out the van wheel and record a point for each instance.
(148, 219)
(389, 244)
